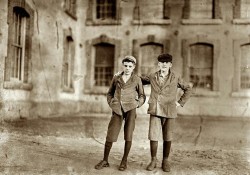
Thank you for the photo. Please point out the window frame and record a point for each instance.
(89, 84)
(91, 15)
(166, 20)
(9, 81)
(216, 20)
(186, 43)
(237, 91)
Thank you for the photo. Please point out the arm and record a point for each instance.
(141, 94)
(111, 90)
(187, 89)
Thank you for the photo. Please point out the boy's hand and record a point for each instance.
(118, 73)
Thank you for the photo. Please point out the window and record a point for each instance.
(201, 12)
(106, 9)
(245, 67)
(149, 12)
(201, 9)
(68, 62)
(201, 66)
(102, 60)
(70, 7)
(17, 63)
(149, 54)
(104, 64)
(245, 9)
(241, 80)
(103, 12)
(146, 50)
(242, 12)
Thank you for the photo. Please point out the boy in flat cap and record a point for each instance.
(125, 94)
(162, 107)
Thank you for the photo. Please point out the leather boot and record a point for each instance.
(152, 165)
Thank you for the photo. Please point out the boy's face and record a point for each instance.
(164, 66)
(128, 67)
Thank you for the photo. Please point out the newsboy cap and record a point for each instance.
(165, 58)
(129, 58)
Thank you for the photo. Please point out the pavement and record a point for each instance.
(74, 144)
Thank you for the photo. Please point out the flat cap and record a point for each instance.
(165, 58)
(129, 58)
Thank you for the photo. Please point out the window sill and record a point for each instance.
(201, 21)
(97, 90)
(17, 85)
(68, 90)
(241, 21)
(241, 94)
(204, 93)
(104, 22)
(152, 22)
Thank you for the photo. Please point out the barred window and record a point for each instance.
(104, 64)
(106, 9)
(201, 66)
(245, 67)
(149, 53)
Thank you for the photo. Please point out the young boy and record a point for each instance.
(125, 94)
(162, 107)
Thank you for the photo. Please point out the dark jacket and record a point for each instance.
(162, 98)
(126, 96)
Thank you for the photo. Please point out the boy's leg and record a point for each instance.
(129, 127)
(112, 135)
(167, 128)
(154, 132)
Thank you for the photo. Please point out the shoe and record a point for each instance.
(123, 166)
(152, 164)
(102, 164)
(165, 165)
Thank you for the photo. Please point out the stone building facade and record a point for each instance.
(58, 56)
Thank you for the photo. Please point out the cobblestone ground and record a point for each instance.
(73, 145)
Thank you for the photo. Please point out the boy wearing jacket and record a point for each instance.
(162, 107)
(125, 94)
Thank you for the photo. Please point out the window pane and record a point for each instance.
(201, 9)
(245, 67)
(104, 64)
(201, 66)
(106, 9)
(149, 53)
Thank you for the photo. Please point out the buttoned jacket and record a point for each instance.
(125, 96)
(163, 96)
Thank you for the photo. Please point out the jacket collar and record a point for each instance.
(120, 80)
(168, 79)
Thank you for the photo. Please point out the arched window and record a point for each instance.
(201, 66)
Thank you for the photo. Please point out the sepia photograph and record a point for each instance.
(124, 87)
